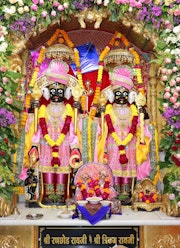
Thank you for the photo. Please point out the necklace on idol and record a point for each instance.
(121, 143)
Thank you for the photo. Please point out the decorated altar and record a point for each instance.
(90, 110)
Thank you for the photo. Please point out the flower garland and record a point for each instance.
(41, 56)
(100, 73)
(35, 74)
(55, 143)
(93, 188)
(100, 70)
(78, 66)
(139, 80)
(122, 143)
(147, 198)
(137, 62)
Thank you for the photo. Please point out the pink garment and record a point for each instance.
(23, 174)
(122, 126)
(54, 131)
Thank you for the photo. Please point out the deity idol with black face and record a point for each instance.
(57, 91)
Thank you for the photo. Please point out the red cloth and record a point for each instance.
(92, 77)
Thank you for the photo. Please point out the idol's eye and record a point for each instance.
(52, 91)
(125, 93)
(118, 93)
(60, 91)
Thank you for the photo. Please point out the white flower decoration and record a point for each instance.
(3, 47)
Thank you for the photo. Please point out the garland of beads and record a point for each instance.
(122, 143)
(55, 162)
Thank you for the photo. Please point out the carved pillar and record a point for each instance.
(152, 93)
(155, 88)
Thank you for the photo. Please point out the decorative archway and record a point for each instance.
(118, 15)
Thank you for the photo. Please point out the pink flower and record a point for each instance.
(178, 156)
(167, 60)
(41, 2)
(164, 78)
(177, 105)
(35, 1)
(170, 12)
(163, 70)
(177, 61)
(178, 79)
(168, 72)
(8, 100)
(53, 13)
(175, 94)
(171, 197)
(172, 82)
(167, 89)
(165, 105)
(56, 4)
(177, 12)
(33, 19)
(1, 89)
(3, 69)
(167, 95)
(34, 7)
(60, 7)
(7, 93)
(174, 69)
(167, 23)
(5, 79)
(44, 14)
(138, 5)
(172, 99)
(177, 89)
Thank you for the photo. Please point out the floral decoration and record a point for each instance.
(161, 17)
(147, 197)
(8, 138)
(94, 188)
(172, 185)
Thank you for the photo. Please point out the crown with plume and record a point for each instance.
(121, 76)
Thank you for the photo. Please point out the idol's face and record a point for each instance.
(121, 95)
(57, 92)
